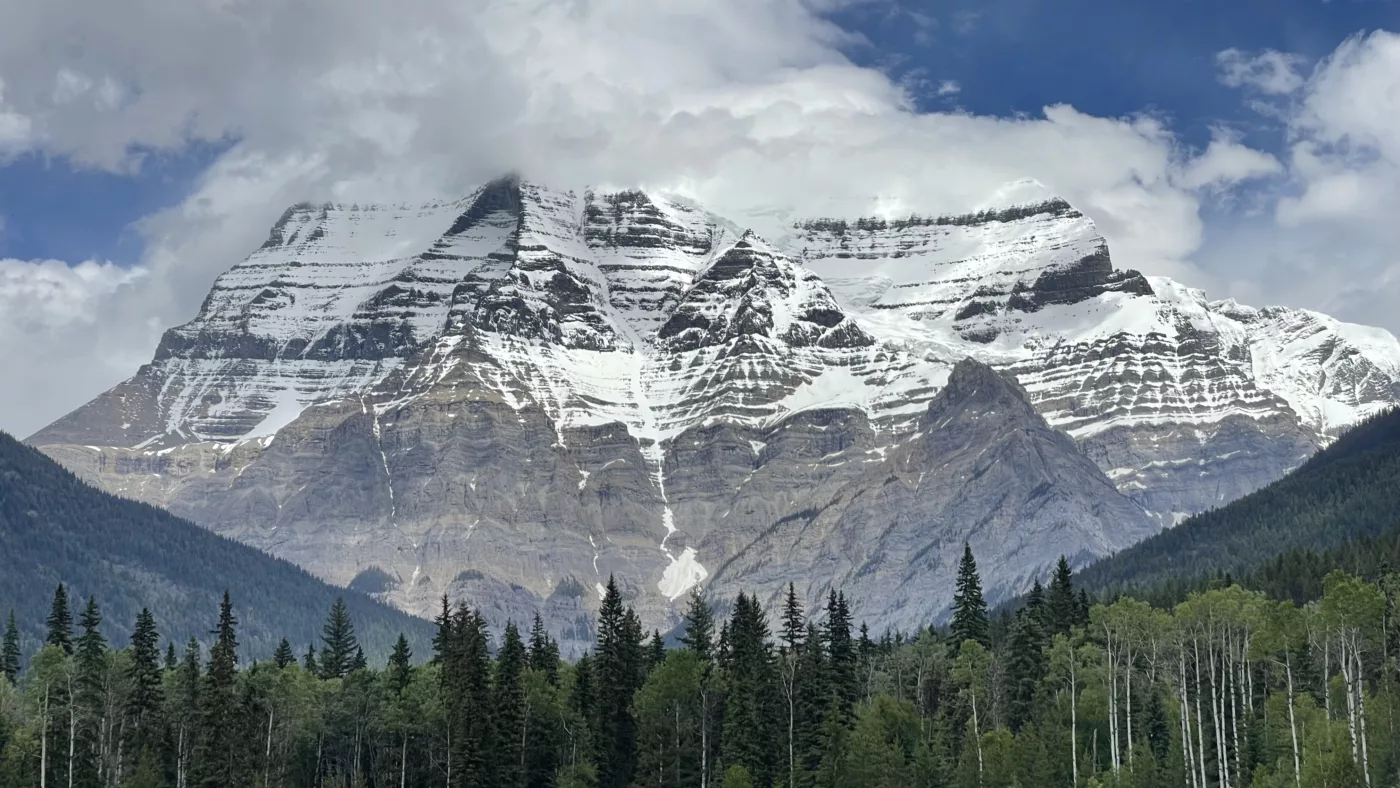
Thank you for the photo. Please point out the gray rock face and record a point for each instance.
(984, 468)
(509, 397)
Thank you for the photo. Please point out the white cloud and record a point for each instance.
(747, 105)
(949, 87)
(54, 334)
(1271, 72)
(1225, 163)
(1333, 243)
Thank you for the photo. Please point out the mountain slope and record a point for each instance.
(984, 468)
(54, 528)
(1350, 489)
(508, 398)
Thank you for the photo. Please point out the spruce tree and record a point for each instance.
(60, 622)
(508, 703)
(1061, 608)
(865, 647)
(1081, 609)
(400, 671)
(751, 701)
(143, 703)
(443, 637)
(656, 650)
(90, 661)
(358, 662)
(471, 685)
(544, 652)
(699, 626)
(283, 656)
(309, 662)
(969, 609)
(338, 642)
(1158, 731)
(841, 655)
(171, 661)
(618, 668)
(9, 652)
(1025, 667)
(217, 752)
(794, 622)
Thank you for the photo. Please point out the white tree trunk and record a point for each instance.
(1188, 751)
(1292, 722)
(1073, 718)
(1361, 709)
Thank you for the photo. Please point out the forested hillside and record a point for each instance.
(1345, 492)
(1228, 688)
(56, 529)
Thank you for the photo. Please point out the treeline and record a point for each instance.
(1228, 689)
(1054, 207)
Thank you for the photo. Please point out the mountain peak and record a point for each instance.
(1026, 191)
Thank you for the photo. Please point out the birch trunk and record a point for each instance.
(1361, 709)
(1073, 719)
(1188, 751)
(1292, 722)
(1200, 723)
(44, 740)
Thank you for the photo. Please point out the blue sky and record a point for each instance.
(1104, 57)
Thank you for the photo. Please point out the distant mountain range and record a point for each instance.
(55, 529)
(509, 397)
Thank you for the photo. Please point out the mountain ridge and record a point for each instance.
(54, 528)
(630, 385)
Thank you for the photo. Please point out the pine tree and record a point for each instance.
(751, 700)
(60, 622)
(442, 638)
(656, 650)
(309, 662)
(143, 704)
(90, 661)
(794, 622)
(472, 667)
(508, 702)
(1025, 667)
(217, 751)
(1158, 732)
(699, 626)
(358, 662)
(400, 669)
(186, 712)
(865, 647)
(10, 653)
(544, 652)
(969, 609)
(841, 655)
(618, 670)
(1081, 609)
(283, 656)
(1061, 608)
(171, 661)
(814, 697)
(338, 642)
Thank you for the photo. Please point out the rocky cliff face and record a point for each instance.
(511, 396)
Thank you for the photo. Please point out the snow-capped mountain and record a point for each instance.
(511, 396)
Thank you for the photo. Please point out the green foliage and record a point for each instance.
(1348, 491)
(969, 608)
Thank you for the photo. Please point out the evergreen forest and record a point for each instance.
(1228, 688)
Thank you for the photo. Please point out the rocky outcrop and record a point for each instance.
(509, 397)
